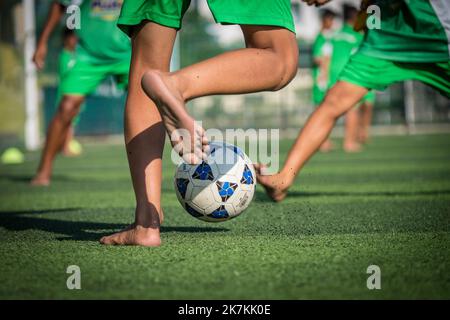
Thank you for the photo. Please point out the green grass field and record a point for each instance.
(388, 206)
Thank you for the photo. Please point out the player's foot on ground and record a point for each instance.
(136, 235)
(327, 146)
(170, 102)
(40, 180)
(363, 137)
(276, 185)
(352, 147)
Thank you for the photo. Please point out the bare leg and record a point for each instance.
(56, 134)
(366, 121)
(268, 63)
(66, 145)
(341, 98)
(351, 143)
(144, 136)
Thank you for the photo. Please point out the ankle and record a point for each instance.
(147, 217)
(287, 175)
(179, 83)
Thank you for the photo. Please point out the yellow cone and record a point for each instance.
(75, 147)
(12, 156)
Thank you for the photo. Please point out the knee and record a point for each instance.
(68, 108)
(287, 66)
(331, 105)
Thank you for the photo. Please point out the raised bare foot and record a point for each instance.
(187, 137)
(276, 185)
(352, 147)
(134, 235)
(40, 180)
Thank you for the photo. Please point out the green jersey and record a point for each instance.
(322, 48)
(411, 31)
(346, 42)
(100, 40)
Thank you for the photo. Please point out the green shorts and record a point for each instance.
(376, 73)
(86, 74)
(169, 13)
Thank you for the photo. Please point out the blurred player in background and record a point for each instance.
(365, 117)
(269, 62)
(345, 43)
(67, 59)
(412, 44)
(103, 50)
(322, 50)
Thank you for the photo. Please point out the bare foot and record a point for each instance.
(40, 180)
(134, 235)
(276, 185)
(363, 137)
(327, 146)
(352, 147)
(187, 137)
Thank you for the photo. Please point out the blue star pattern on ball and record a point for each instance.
(247, 177)
(182, 186)
(203, 172)
(226, 189)
(193, 212)
(219, 213)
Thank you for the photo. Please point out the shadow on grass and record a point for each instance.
(27, 178)
(77, 230)
(262, 197)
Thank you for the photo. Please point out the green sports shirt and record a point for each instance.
(321, 47)
(100, 40)
(345, 43)
(411, 31)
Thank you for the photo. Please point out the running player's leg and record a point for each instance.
(365, 121)
(268, 62)
(351, 143)
(144, 135)
(66, 145)
(56, 134)
(339, 100)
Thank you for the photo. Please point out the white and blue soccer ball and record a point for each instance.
(218, 189)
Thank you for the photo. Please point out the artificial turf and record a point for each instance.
(387, 206)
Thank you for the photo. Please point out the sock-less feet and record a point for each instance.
(40, 180)
(352, 147)
(134, 234)
(276, 185)
(170, 102)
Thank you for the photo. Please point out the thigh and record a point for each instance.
(342, 97)
(152, 46)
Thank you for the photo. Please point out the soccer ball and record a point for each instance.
(218, 189)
